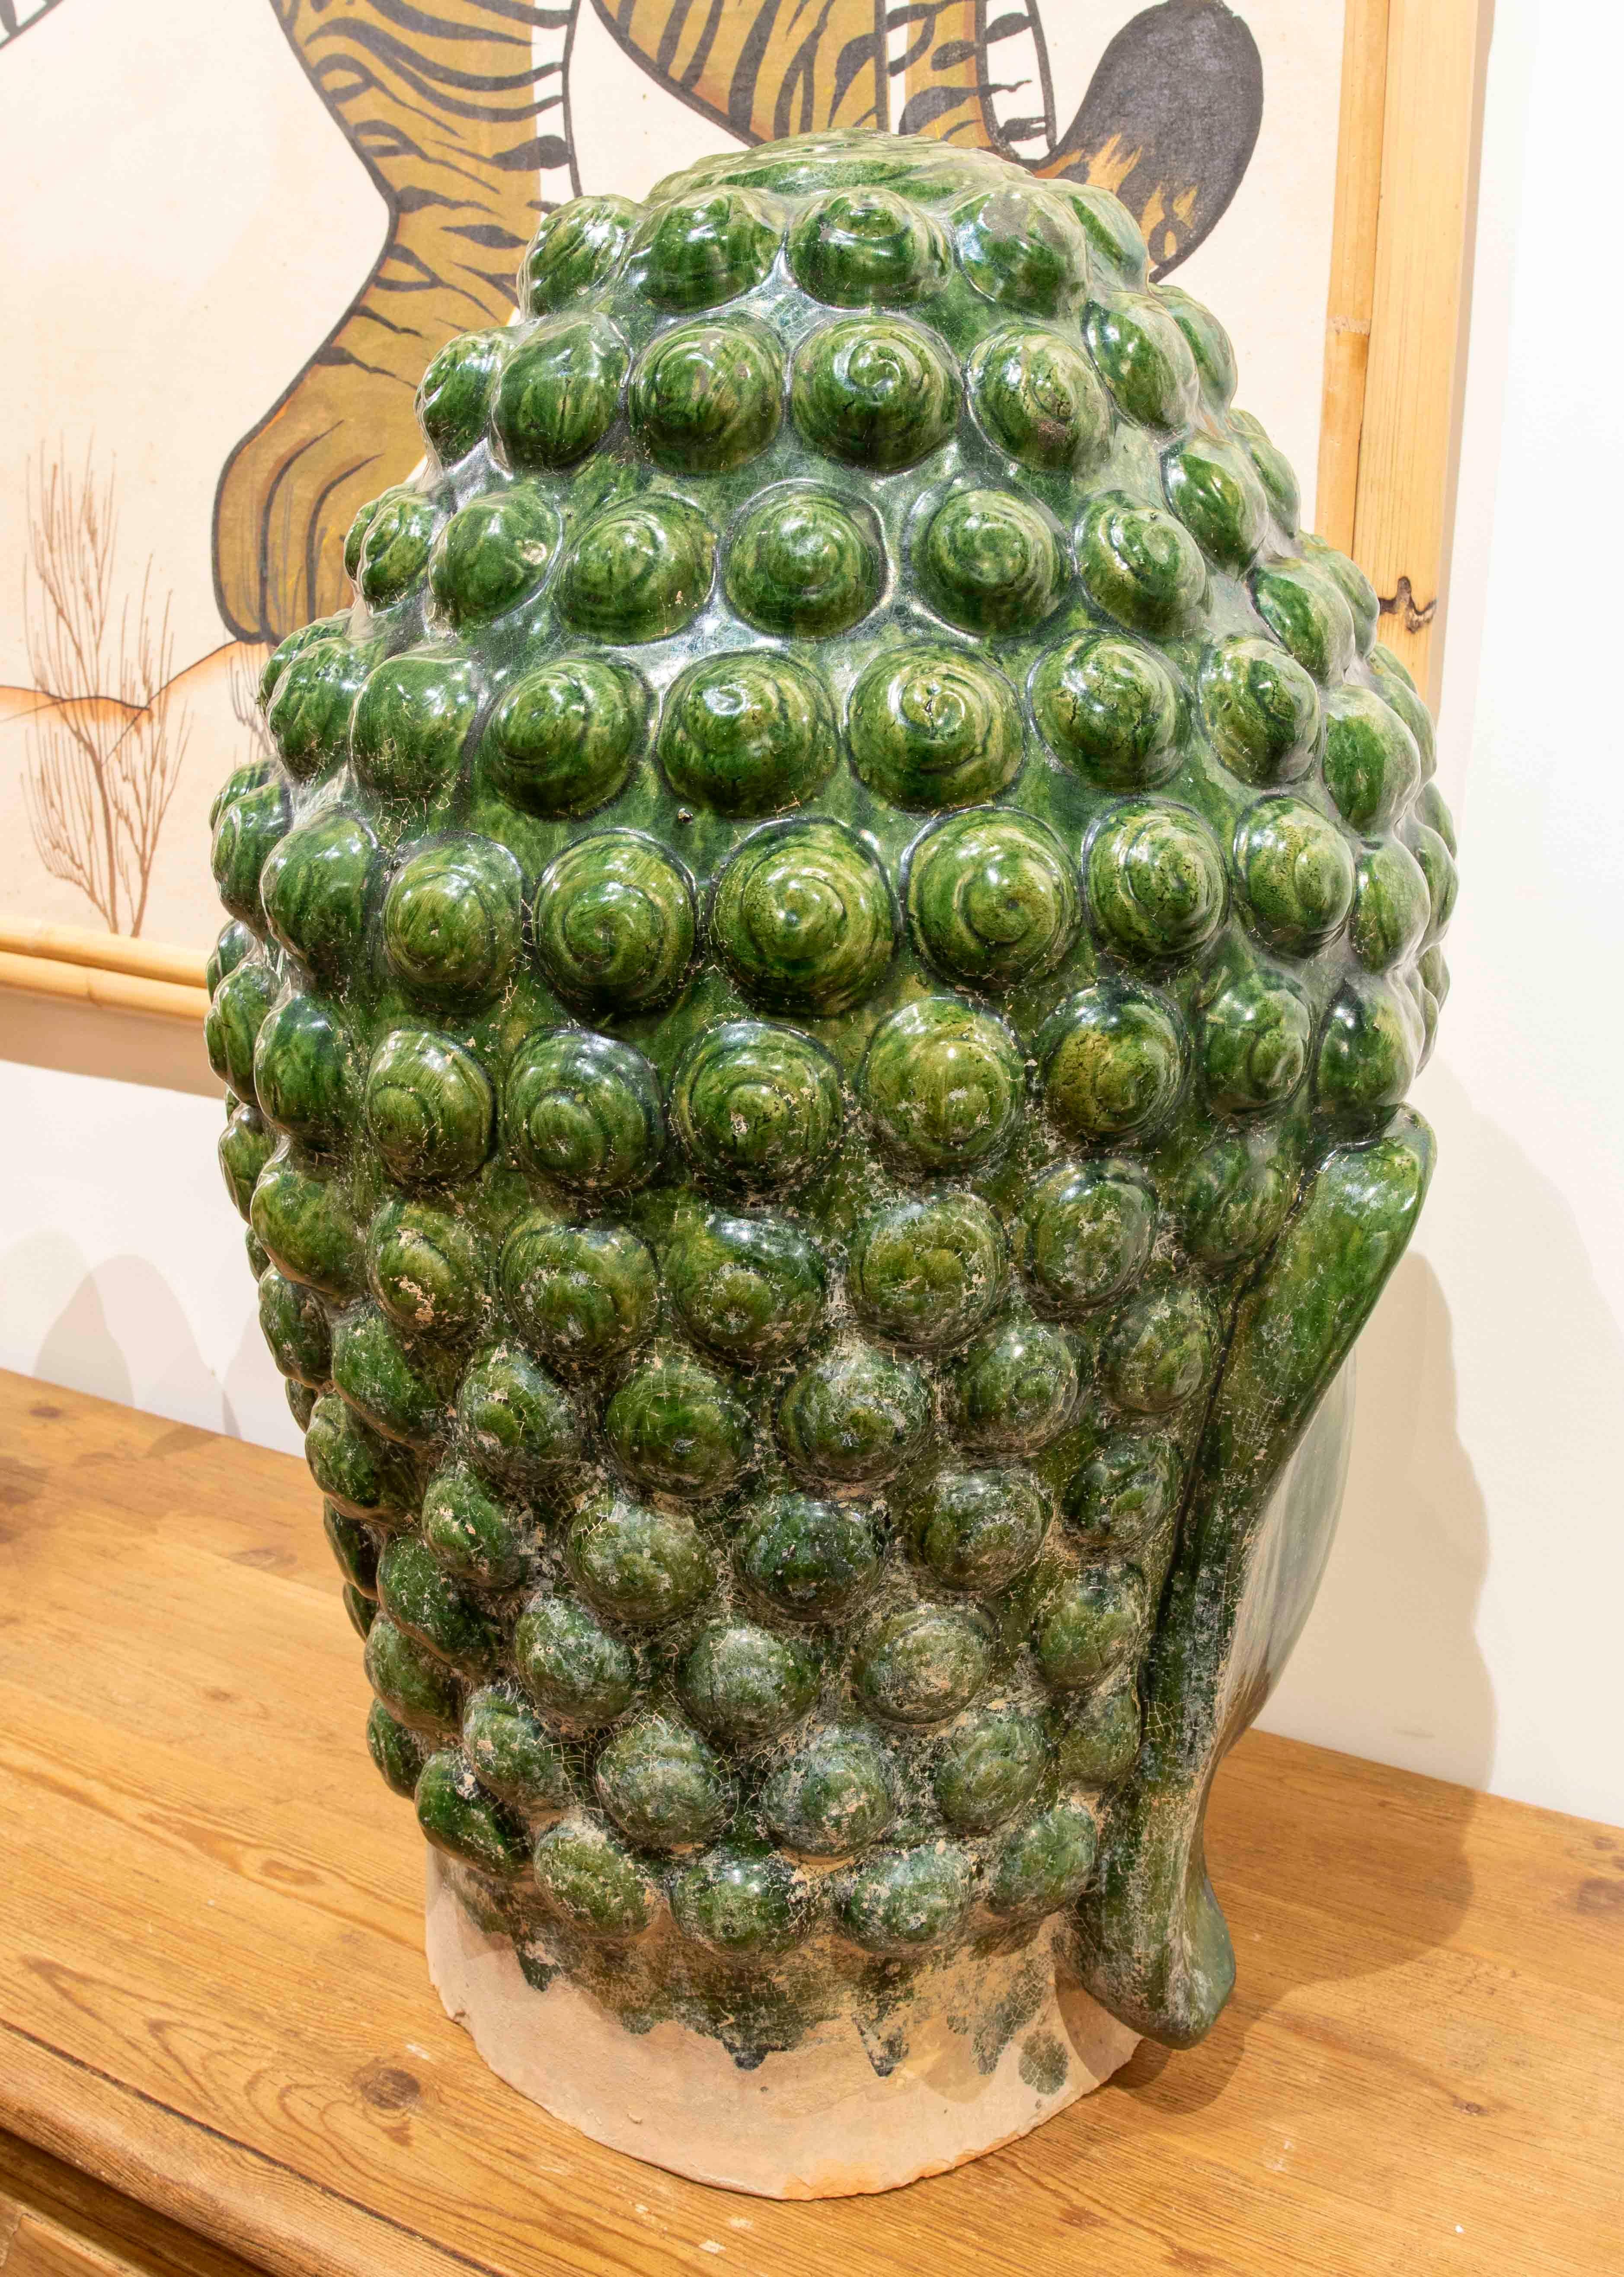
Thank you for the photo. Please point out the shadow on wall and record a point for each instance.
(255, 1394)
(80, 1350)
(122, 1310)
(1389, 1664)
(1526, 1237)
(120, 1332)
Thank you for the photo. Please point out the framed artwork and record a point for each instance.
(233, 248)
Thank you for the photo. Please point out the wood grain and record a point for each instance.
(115, 952)
(1352, 292)
(72, 2209)
(37, 2248)
(1404, 504)
(93, 984)
(213, 1998)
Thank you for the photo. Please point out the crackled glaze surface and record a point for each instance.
(817, 1009)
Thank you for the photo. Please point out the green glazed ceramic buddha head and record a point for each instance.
(817, 1009)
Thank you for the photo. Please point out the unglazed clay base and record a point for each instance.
(819, 2121)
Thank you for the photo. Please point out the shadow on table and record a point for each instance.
(1418, 1914)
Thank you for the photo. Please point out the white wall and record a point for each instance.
(122, 1266)
(1469, 1621)
(1468, 1624)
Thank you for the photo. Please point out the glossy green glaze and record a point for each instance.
(573, 1670)
(706, 398)
(756, 1105)
(808, 1560)
(992, 900)
(475, 1533)
(988, 561)
(676, 1429)
(742, 1683)
(615, 923)
(805, 560)
(816, 1004)
(858, 246)
(513, 1752)
(874, 391)
(1144, 359)
(1038, 397)
(585, 1111)
(492, 554)
(558, 392)
(1014, 1389)
(1113, 1059)
(575, 249)
(453, 396)
(752, 1288)
(640, 572)
(900, 1902)
(927, 1272)
(922, 1665)
(833, 1795)
(319, 884)
(741, 1904)
(931, 726)
(565, 737)
(990, 1765)
(748, 734)
(806, 918)
(579, 1295)
(1111, 708)
(516, 1422)
(662, 1784)
(592, 1884)
(1084, 1234)
(976, 1530)
(942, 1084)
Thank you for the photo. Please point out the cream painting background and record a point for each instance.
(185, 223)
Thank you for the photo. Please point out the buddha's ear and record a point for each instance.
(1153, 1945)
(1169, 122)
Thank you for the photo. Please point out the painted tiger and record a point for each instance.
(460, 112)
(1168, 121)
(17, 15)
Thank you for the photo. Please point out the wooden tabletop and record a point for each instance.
(217, 2038)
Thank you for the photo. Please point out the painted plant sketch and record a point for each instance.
(105, 741)
(313, 196)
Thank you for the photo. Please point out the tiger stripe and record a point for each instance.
(763, 69)
(457, 110)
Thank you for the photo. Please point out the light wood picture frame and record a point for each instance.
(1412, 88)
(1396, 312)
